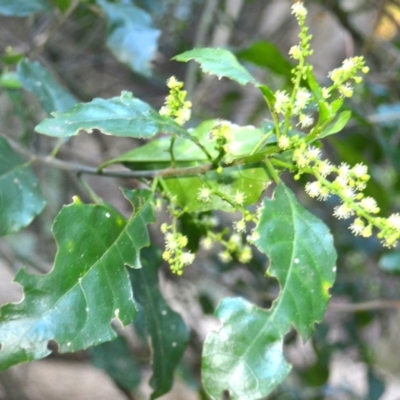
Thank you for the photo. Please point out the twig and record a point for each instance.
(57, 25)
(160, 173)
(364, 306)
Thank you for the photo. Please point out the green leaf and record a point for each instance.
(219, 62)
(268, 95)
(39, 81)
(337, 125)
(155, 154)
(251, 179)
(119, 116)
(89, 286)
(116, 359)
(132, 37)
(20, 194)
(168, 334)
(22, 8)
(267, 55)
(245, 356)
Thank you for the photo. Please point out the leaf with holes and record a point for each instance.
(119, 116)
(168, 334)
(20, 194)
(245, 356)
(89, 286)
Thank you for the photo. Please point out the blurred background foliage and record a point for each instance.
(99, 48)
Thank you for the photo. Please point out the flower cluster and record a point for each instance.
(176, 106)
(174, 252)
(296, 103)
(348, 71)
(223, 136)
(234, 247)
(347, 183)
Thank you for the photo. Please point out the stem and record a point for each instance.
(161, 173)
(261, 142)
(272, 171)
(282, 164)
(171, 151)
(57, 25)
(57, 147)
(96, 199)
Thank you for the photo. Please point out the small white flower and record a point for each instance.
(240, 226)
(171, 243)
(173, 83)
(346, 90)
(324, 168)
(204, 194)
(357, 227)
(305, 120)
(348, 64)
(343, 211)
(284, 142)
(313, 189)
(313, 153)
(326, 93)
(369, 205)
(239, 198)
(206, 243)
(235, 238)
(299, 10)
(295, 52)
(394, 221)
(344, 170)
(281, 101)
(187, 258)
(359, 170)
(245, 255)
(225, 256)
(303, 97)
(349, 192)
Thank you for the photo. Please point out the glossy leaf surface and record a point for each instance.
(219, 62)
(251, 179)
(119, 116)
(245, 356)
(88, 286)
(39, 81)
(22, 8)
(20, 194)
(132, 37)
(167, 333)
(337, 125)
